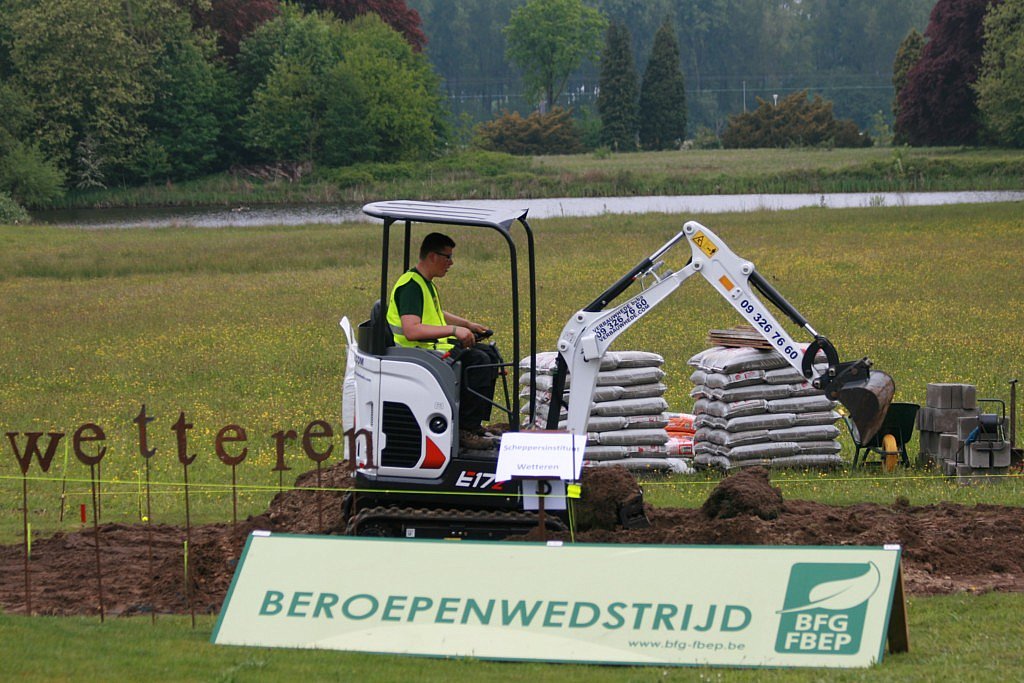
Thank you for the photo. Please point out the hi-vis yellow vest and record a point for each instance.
(432, 313)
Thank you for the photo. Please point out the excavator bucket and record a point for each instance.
(868, 401)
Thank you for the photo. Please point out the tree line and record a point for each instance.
(114, 92)
(122, 92)
(731, 52)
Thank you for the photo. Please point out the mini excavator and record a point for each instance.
(414, 479)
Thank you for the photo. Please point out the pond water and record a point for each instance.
(218, 217)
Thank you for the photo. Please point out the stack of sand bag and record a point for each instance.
(753, 408)
(627, 415)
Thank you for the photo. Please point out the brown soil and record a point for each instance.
(747, 493)
(947, 548)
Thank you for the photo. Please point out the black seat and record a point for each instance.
(375, 334)
(378, 317)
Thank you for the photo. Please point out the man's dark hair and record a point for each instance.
(435, 241)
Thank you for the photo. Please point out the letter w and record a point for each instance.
(518, 611)
(32, 449)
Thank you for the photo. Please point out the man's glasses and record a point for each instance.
(447, 256)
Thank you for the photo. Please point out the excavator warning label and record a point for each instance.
(706, 245)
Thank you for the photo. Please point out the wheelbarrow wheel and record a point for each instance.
(890, 453)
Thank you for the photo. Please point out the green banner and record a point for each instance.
(623, 604)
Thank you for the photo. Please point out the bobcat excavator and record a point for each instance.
(401, 405)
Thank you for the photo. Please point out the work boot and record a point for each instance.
(474, 442)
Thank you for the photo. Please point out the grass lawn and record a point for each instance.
(239, 326)
(955, 637)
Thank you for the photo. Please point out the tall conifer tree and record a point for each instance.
(908, 55)
(663, 94)
(617, 99)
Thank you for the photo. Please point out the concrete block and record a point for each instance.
(966, 425)
(948, 468)
(948, 445)
(988, 454)
(951, 396)
(969, 397)
(929, 442)
(942, 420)
(976, 457)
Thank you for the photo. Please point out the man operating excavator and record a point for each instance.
(417, 320)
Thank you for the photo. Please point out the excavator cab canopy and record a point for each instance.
(502, 219)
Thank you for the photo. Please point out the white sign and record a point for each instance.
(609, 603)
(540, 455)
(552, 491)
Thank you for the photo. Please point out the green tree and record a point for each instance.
(84, 73)
(663, 94)
(286, 62)
(402, 90)
(309, 39)
(907, 56)
(26, 174)
(548, 40)
(190, 94)
(338, 92)
(618, 91)
(1000, 87)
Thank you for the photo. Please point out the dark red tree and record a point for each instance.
(394, 13)
(232, 20)
(937, 106)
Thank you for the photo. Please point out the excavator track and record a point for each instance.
(412, 522)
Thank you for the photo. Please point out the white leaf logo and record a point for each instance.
(841, 594)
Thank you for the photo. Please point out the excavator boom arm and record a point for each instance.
(591, 331)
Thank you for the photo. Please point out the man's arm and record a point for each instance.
(475, 328)
(414, 329)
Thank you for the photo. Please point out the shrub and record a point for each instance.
(552, 133)
(11, 213)
(29, 177)
(795, 122)
(706, 138)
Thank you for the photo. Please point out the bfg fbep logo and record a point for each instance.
(824, 609)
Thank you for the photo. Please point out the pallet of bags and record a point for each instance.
(627, 412)
(752, 408)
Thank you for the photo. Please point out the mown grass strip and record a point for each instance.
(957, 637)
(488, 175)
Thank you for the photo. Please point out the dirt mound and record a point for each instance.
(748, 492)
(947, 548)
(604, 491)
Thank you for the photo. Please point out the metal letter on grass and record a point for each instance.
(24, 460)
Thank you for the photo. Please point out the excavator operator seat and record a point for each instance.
(374, 335)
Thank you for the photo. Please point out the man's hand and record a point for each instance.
(477, 329)
(465, 336)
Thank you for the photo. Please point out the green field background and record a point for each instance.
(240, 326)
